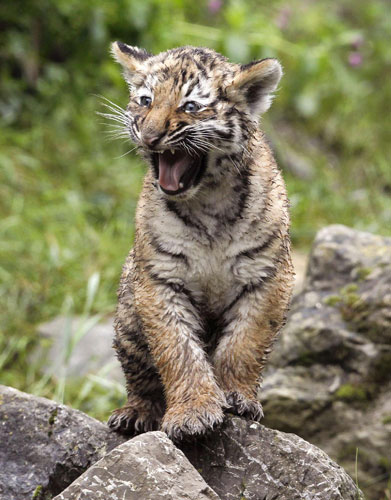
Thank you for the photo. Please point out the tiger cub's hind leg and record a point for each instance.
(145, 404)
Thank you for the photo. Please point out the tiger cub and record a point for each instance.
(206, 287)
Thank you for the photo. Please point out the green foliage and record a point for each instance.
(348, 392)
(37, 493)
(332, 300)
(67, 196)
(363, 273)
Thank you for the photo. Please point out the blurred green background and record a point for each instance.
(67, 194)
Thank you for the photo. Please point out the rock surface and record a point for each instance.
(148, 467)
(44, 446)
(92, 353)
(245, 460)
(329, 376)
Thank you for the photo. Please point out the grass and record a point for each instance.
(68, 209)
(68, 196)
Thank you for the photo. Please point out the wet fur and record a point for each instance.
(205, 290)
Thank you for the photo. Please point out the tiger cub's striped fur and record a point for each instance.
(206, 287)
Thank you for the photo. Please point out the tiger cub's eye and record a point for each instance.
(145, 101)
(192, 107)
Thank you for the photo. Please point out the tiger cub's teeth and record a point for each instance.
(172, 151)
(180, 185)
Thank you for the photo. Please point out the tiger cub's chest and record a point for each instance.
(213, 270)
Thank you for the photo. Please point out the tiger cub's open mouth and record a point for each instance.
(177, 171)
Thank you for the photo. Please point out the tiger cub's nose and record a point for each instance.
(151, 140)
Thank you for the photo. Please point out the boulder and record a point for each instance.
(329, 376)
(92, 350)
(48, 449)
(148, 467)
(245, 460)
(45, 445)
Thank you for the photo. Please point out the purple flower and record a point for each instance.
(214, 6)
(355, 59)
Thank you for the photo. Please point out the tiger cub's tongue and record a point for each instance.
(171, 169)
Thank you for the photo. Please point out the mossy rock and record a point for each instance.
(349, 392)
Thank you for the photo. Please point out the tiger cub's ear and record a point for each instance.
(130, 58)
(255, 84)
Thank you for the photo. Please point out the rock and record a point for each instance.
(148, 467)
(299, 259)
(92, 352)
(45, 445)
(370, 434)
(245, 460)
(329, 374)
(342, 255)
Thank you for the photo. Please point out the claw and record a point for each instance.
(130, 422)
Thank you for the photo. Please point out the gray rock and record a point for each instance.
(329, 374)
(296, 396)
(245, 460)
(342, 255)
(148, 467)
(44, 446)
(370, 434)
(92, 349)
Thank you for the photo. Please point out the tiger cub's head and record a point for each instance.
(188, 106)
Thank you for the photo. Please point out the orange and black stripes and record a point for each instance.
(205, 290)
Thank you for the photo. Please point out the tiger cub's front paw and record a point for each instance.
(131, 421)
(244, 407)
(188, 421)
